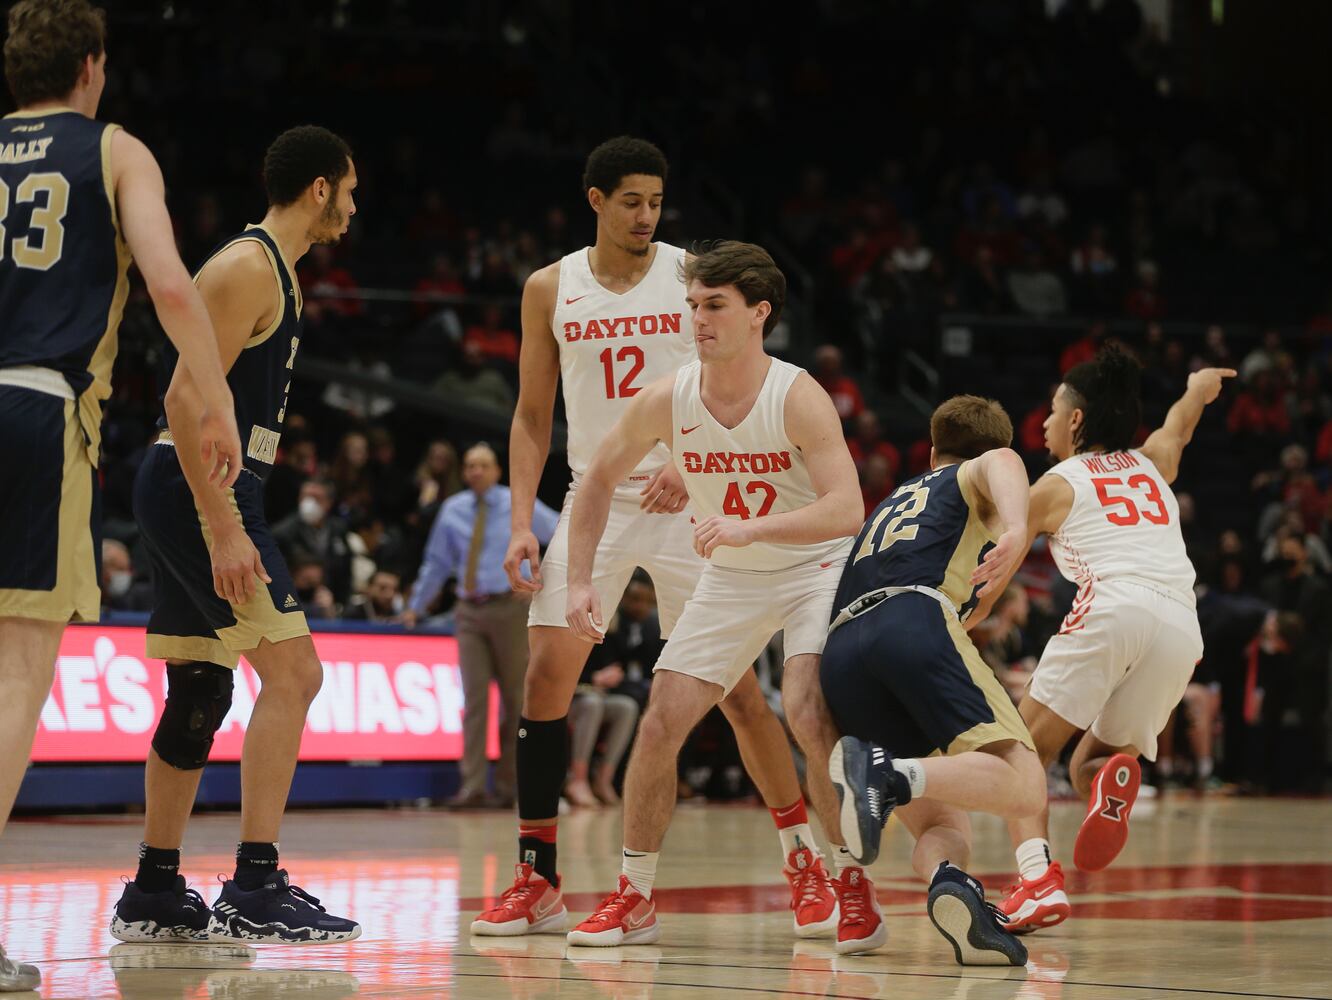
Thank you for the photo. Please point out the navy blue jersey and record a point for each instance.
(260, 378)
(928, 533)
(63, 261)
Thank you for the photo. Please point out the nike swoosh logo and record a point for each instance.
(1044, 892)
(691, 430)
(633, 924)
(824, 565)
(540, 912)
(569, 302)
(787, 811)
(631, 854)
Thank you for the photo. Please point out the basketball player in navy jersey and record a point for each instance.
(928, 728)
(222, 589)
(78, 199)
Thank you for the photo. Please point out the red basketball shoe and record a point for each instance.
(1105, 830)
(530, 906)
(624, 917)
(812, 895)
(1031, 905)
(860, 926)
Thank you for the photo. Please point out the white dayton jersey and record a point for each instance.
(750, 470)
(613, 345)
(1123, 525)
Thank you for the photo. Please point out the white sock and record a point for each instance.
(1165, 767)
(842, 859)
(911, 769)
(640, 869)
(1205, 767)
(797, 836)
(1033, 858)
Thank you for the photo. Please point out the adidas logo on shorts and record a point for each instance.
(290, 602)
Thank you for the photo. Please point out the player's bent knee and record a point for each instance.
(198, 698)
(657, 734)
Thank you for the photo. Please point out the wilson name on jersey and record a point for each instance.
(750, 470)
(260, 378)
(63, 261)
(614, 345)
(927, 533)
(1124, 524)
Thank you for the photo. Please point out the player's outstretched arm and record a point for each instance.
(239, 293)
(1166, 444)
(646, 420)
(1001, 478)
(141, 207)
(813, 426)
(529, 435)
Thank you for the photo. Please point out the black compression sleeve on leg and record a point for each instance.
(543, 762)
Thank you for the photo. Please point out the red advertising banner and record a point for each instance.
(385, 697)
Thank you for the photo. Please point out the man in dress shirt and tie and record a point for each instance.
(467, 543)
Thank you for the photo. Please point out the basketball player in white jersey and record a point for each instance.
(774, 492)
(611, 319)
(1124, 654)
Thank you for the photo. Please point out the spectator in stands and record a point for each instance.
(1295, 587)
(328, 289)
(437, 476)
(471, 381)
(443, 280)
(869, 440)
(980, 287)
(467, 544)
(298, 460)
(391, 490)
(370, 544)
(1144, 300)
(1095, 272)
(1002, 642)
(1042, 203)
(350, 473)
(598, 706)
(1084, 348)
(120, 591)
(494, 340)
(315, 533)
(876, 482)
(307, 574)
(380, 601)
(1035, 289)
(841, 387)
(1031, 432)
(911, 256)
(1262, 358)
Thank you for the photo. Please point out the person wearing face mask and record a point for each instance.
(119, 591)
(468, 543)
(315, 530)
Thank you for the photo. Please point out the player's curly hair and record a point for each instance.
(1108, 391)
(299, 157)
(615, 159)
(47, 43)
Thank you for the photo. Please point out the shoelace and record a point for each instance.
(854, 904)
(611, 909)
(304, 896)
(194, 896)
(808, 883)
(516, 895)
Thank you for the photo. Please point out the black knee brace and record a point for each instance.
(198, 697)
(543, 763)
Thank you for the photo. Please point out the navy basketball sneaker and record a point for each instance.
(277, 911)
(176, 914)
(974, 927)
(869, 788)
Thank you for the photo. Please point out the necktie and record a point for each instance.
(474, 550)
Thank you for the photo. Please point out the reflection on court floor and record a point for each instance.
(1212, 897)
